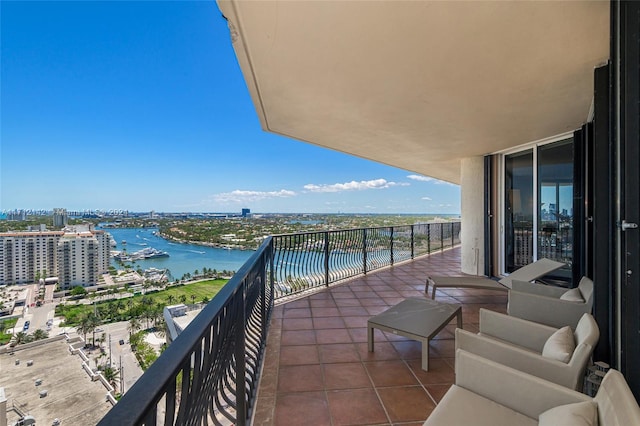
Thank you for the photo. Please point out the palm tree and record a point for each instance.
(84, 327)
(20, 337)
(40, 334)
(171, 298)
(134, 326)
(161, 327)
(193, 298)
(111, 375)
(183, 298)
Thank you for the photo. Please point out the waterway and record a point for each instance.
(182, 258)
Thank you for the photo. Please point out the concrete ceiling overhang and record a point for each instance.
(419, 84)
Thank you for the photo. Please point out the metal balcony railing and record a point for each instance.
(305, 261)
(209, 375)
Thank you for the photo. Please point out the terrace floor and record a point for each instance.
(318, 370)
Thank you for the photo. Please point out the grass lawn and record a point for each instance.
(4, 326)
(199, 290)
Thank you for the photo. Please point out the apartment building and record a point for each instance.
(77, 256)
(60, 218)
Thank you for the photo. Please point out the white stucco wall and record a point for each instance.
(472, 209)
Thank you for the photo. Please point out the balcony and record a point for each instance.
(317, 367)
(298, 322)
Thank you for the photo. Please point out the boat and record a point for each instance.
(145, 253)
(149, 253)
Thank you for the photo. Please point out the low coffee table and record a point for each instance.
(417, 319)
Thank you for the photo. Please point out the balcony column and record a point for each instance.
(472, 210)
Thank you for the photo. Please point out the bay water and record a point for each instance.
(183, 258)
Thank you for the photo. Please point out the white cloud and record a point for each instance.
(353, 186)
(426, 198)
(241, 196)
(430, 179)
(420, 178)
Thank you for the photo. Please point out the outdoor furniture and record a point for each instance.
(554, 306)
(558, 355)
(490, 394)
(417, 319)
(528, 272)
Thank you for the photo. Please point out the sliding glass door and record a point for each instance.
(518, 210)
(538, 205)
(555, 195)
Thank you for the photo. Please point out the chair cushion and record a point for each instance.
(577, 414)
(573, 295)
(460, 406)
(560, 345)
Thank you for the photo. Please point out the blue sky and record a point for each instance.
(142, 106)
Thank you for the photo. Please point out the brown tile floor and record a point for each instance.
(318, 370)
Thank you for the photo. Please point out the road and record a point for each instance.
(37, 315)
(121, 355)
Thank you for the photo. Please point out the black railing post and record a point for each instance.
(241, 405)
(441, 236)
(428, 238)
(272, 273)
(364, 250)
(391, 244)
(263, 301)
(326, 258)
(452, 234)
(412, 242)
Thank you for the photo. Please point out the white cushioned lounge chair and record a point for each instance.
(528, 272)
(554, 306)
(490, 394)
(559, 355)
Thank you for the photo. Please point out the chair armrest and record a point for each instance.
(514, 330)
(521, 392)
(541, 289)
(567, 375)
(545, 310)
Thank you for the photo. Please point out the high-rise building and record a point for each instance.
(246, 212)
(60, 218)
(82, 256)
(77, 256)
(27, 255)
(17, 215)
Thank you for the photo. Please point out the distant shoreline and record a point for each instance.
(202, 243)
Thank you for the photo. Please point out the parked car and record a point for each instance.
(26, 325)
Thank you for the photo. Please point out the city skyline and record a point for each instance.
(141, 106)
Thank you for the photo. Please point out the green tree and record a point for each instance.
(133, 327)
(193, 298)
(19, 337)
(183, 298)
(40, 334)
(111, 375)
(78, 290)
(88, 324)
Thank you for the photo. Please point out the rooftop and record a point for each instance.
(318, 369)
(72, 396)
